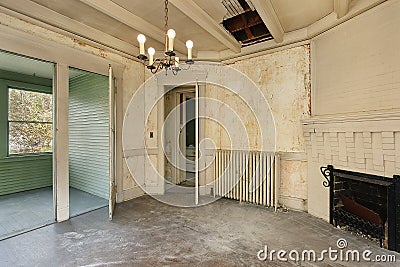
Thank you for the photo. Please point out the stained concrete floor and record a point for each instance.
(183, 196)
(21, 212)
(145, 232)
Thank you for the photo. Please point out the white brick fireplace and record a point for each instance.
(362, 143)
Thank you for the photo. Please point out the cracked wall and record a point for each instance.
(284, 79)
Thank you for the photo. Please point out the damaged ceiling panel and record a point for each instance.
(244, 23)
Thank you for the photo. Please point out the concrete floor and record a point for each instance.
(145, 232)
(28, 210)
(182, 196)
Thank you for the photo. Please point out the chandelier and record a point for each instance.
(169, 60)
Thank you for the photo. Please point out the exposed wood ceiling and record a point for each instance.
(244, 22)
(116, 23)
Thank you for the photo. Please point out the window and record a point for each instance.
(30, 128)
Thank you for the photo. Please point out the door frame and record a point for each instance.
(191, 87)
(175, 95)
(112, 142)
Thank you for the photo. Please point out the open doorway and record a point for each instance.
(188, 136)
(180, 137)
(89, 141)
(26, 144)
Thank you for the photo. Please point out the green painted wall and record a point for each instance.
(21, 173)
(25, 173)
(89, 134)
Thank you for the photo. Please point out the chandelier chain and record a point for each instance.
(166, 15)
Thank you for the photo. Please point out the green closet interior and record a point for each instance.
(25, 172)
(89, 133)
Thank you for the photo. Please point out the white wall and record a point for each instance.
(355, 122)
(134, 76)
(356, 66)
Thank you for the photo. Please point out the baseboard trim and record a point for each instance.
(294, 203)
(293, 156)
(132, 193)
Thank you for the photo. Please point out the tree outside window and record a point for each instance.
(30, 128)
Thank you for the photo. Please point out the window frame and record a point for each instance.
(22, 88)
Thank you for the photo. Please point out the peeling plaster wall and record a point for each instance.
(216, 131)
(284, 79)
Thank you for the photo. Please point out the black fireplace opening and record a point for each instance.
(368, 203)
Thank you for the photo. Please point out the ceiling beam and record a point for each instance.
(198, 15)
(341, 7)
(270, 19)
(54, 21)
(135, 22)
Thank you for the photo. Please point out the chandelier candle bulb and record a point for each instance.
(151, 52)
(171, 35)
(141, 39)
(189, 45)
(177, 62)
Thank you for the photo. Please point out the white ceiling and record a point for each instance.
(198, 20)
(294, 15)
(214, 8)
(184, 26)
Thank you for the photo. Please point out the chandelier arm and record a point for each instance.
(157, 62)
(160, 66)
(154, 71)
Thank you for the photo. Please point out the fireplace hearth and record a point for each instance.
(368, 203)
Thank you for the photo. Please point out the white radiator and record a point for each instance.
(248, 176)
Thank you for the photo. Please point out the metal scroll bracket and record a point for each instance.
(327, 173)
